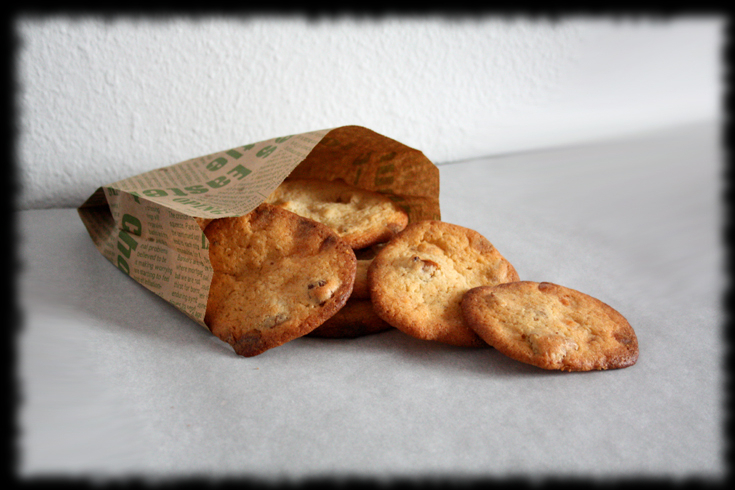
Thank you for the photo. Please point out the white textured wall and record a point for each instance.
(102, 99)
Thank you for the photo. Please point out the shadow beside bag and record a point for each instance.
(147, 225)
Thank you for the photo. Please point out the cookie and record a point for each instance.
(417, 280)
(360, 288)
(369, 253)
(356, 319)
(203, 222)
(360, 217)
(277, 276)
(551, 326)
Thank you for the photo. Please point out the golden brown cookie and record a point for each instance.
(356, 319)
(360, 289)
(359, 216)
(203, 222)
(417, 280)
(277, 276)
(370, 252)
(551, 326)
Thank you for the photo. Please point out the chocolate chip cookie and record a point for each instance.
(417, 280)
(360, 217)
(277, 277)
(551, 326)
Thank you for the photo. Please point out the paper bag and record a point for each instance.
(146, 225)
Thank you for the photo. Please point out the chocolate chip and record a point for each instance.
(318, 284)
(329, 242)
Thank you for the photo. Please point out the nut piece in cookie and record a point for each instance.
(356, 319)
(277, 276)
(417, 280)
(360, 217)
(551, 326)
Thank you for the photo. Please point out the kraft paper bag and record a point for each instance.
(150, 225)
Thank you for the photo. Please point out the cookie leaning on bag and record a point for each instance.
(277, 277)
(269, 272)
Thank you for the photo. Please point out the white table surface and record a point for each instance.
(114, 382)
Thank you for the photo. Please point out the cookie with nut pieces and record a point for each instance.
(417, 280)
(359, 216)
(277, 277)
(550, 326)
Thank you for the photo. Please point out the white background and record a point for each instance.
(101, 99)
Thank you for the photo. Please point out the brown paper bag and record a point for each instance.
(145, 225)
